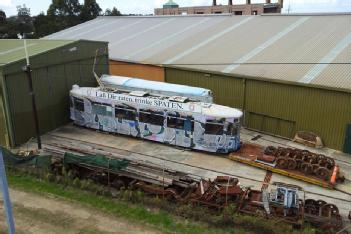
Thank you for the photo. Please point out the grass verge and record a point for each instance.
(161, 220)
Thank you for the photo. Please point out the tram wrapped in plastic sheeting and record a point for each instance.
(174, 120)
(156, 87)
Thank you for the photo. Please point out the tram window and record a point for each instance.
(126, 114)
(78, 104)
(189, 124)
(101, 109)
(151, 117)
(214, 128)
(232, 130)
(173, 122)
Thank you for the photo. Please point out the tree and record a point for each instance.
(24, 22)
(90, 10)
(2, 17)
(114, 12)
(63, 14)
(66, 8)
(108, 12)
(45, 25)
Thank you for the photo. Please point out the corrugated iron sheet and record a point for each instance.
(12, 50)
(280, 47)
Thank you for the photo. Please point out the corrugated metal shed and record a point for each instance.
(277, 108)
(13, 49)
(312, 49)
(56, 66)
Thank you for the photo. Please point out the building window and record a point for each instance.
(199, 12)
(79, 104)
(151, 117)
(125, 113)
(218, 12)
(270, 10)
(238, 12)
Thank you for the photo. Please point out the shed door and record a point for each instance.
(271, 125)
(347, 143)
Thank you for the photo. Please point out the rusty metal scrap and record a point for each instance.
(224, 190)
(303, 161)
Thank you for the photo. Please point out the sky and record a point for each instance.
(147, 6)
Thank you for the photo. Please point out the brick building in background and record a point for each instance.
(172, 8)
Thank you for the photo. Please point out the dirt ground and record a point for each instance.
(42, 214)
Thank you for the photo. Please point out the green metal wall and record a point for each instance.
(51, 86)
(3, 130)
(277, 108)
(229, 92)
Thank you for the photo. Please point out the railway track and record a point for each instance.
(106, 150)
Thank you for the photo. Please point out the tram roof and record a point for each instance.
(154, 85)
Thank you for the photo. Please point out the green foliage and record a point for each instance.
(61, 14)
(2, 17)
(114, 12)
(65, 8)
(90, 10)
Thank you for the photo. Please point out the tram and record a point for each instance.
(174, 120)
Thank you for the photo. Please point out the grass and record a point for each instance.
(153, 211)
(164, 221)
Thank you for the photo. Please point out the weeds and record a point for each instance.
(135, 205)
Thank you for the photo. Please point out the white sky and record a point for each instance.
(147, 6)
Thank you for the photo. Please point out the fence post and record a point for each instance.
(6, 196)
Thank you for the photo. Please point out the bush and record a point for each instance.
(228, 220)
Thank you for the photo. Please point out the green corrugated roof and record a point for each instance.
(12, 50)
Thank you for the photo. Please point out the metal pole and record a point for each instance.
(6, 196)
(31, 93)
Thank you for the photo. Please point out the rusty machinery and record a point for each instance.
(284, 201)
(303, 161)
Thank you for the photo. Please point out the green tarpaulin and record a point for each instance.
(11, 159)
(96, 160)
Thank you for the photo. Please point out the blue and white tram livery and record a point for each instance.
(174, 120)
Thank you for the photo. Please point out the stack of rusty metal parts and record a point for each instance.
(325, 214)
(304, 161)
